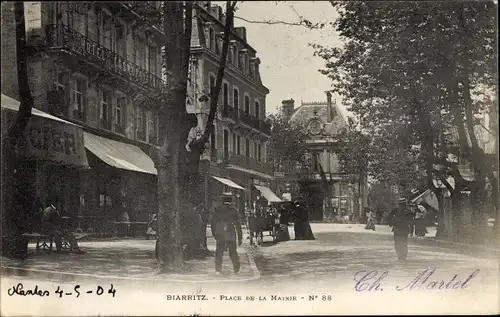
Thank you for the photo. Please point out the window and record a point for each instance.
(245, 64)
(212, 140)
(235, 57)
(226, 143)
(225, 94)
(218, 45)
(247, 104)
(247, 147)
(257, 109)
(236, 98)
(230, 55)
(59, 80)
(234, 142)
(238, 144)
(152, 59)
(77, 94)
(141, 122)
(150, 126)
(255, 150)
(259, 152)
(212, 83)
(120, 113)
(105, 106)
(211, 36)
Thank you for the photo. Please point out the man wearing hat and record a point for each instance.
(400, 220)
(226, 228)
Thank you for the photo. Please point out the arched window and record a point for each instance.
(236, 98)
(257, 109)
(225, 94)
(247, 104)
(211, 83)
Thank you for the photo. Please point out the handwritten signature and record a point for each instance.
(367, 281)
(38, 291)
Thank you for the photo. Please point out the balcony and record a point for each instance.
(265, 127)
(120, 128)
(60, 36)
(246, 162)
(141, 135)
(230, 112)
(245, 117)
(255, 123)
(105, 124)
(79, 114)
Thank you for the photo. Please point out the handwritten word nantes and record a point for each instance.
(367, 281)
(76, 291)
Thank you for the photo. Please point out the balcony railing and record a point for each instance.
(105, 124)
(265, 127)
(245, 117)
(229, 112)
(79, 115)
(141, 135)
(246, 162)
(61, 36)
(119, 128)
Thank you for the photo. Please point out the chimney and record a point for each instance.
(287, 108)
(241, 32)
(329, 105)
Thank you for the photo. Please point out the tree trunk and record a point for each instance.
(173, 126)
(12, 242)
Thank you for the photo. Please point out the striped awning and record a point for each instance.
(228, 182)
(268, 193)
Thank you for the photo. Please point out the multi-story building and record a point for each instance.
(95, 64)
(237, 149)
(322, 120)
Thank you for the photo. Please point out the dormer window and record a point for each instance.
(235, 57)
(230, 55)
(211, 39)
(245, 66)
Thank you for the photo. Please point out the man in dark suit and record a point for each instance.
(226, 228)
(400, 219)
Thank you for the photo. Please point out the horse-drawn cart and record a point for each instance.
(265, 220)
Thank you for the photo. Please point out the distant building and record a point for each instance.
(322, 120)
(237, 149)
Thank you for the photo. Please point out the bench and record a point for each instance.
(44, 241)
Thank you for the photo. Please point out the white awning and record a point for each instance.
(268, 193)
(228, 182)
(13, 105)
(46, 137)
(120, 155)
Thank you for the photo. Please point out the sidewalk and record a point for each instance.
(386, 230)
(127, 260)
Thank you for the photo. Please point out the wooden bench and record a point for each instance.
(44, 241)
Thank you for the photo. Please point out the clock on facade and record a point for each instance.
(315, 126)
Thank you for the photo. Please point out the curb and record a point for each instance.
(49, 274)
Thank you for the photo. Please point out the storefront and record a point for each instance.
(51, 157)
(122, 180)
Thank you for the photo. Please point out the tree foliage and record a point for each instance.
(409, 71)
(286, 147)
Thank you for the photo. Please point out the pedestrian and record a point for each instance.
(370, 223)
(420, 228)
(52, 226)
(400, 220)
(226, 229)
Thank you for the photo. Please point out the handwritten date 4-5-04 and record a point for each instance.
(77, 290)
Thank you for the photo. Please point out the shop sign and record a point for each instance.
(49, 140)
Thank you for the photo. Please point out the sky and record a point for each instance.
(288, 67)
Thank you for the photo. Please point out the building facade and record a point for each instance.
(95, 64)
(237, 149)
(322, 120)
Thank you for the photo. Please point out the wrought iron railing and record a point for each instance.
(61, 36)
(245, 117)
(246, 162)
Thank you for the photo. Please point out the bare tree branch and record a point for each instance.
(303, 22)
